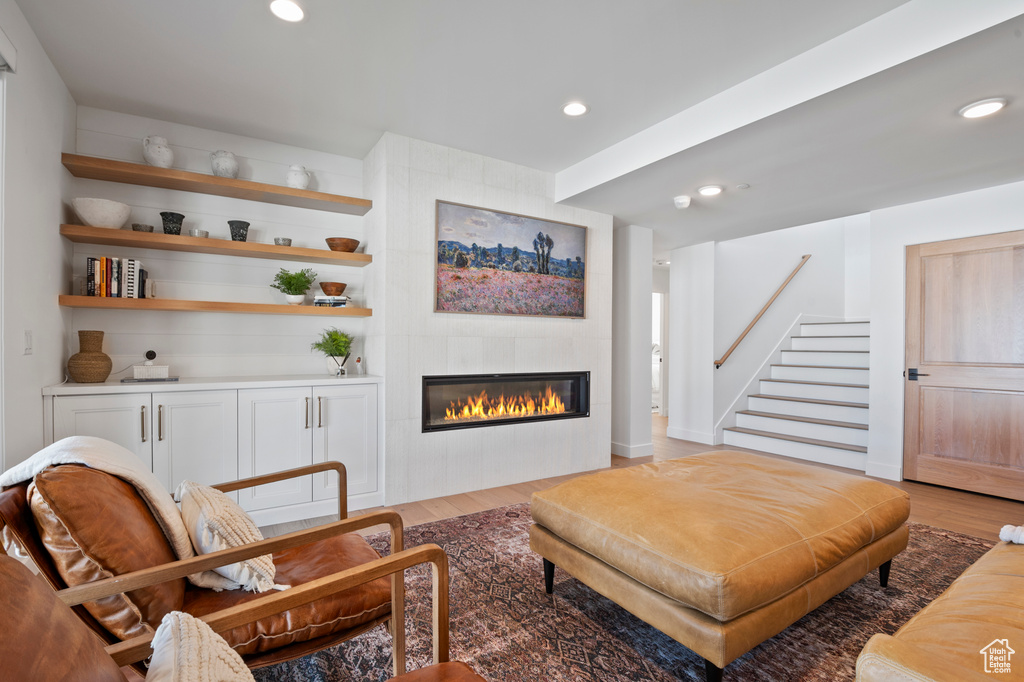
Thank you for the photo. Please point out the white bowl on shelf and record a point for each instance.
(102, 212)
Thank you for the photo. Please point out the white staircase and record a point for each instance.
(815, 405)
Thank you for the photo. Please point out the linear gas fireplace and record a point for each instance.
(471, 400)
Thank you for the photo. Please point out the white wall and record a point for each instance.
(691, 331)
(39, 121)
(218, 344)
(747, 273)
(987, 211)
(405, 177)
(631, 339)
(857, 235)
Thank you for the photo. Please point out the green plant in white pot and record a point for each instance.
(294, 285)
(336, 345)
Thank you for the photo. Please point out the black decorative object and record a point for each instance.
(239, 230)
(172, 222)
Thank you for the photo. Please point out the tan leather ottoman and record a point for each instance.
(722, 550)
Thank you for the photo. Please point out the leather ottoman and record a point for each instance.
(722, 550)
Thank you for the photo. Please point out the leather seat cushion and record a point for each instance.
(984, 604)
(94, 526)
(332, 614)
(43, 639)
(454, 671)
(722, 532)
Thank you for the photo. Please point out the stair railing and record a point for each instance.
(721, 361)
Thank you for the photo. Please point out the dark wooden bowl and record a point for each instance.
(333, 288)
(342, 244)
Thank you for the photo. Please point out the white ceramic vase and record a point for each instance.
(298, 177)
(225, 165)
(335, 369)
(295, 299)
(156, 152)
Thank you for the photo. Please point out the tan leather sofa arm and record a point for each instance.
(888, 659)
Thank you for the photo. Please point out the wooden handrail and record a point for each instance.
(721, 361)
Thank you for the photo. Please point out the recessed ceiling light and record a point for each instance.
(710, 190)
(682, 201)
(575, 109)
(984, 107)
(287, 10)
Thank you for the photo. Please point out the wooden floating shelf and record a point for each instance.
(207, 306)
(168, 178)
(224, 247)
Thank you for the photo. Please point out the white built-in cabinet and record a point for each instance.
(220, 430)
(303, 426)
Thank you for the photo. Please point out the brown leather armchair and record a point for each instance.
(302, 558)
(37, 623)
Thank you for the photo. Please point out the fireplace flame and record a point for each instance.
(526, 405)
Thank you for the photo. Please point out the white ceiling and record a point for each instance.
(490, 77)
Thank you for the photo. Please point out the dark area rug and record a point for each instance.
(508, 629)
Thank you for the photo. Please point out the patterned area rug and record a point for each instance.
(509, 629)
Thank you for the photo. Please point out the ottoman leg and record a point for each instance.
(712, 673)
(883, 573)
(549, 576)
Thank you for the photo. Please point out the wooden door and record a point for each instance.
(195, 437)
(964, 420)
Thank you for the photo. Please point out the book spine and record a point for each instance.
(103, 277)
(90, 276)
(129, 278)
(115, 279)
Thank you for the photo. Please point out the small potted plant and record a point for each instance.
(294, 285)
(336, 345)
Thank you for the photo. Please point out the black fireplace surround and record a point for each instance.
(465, 401)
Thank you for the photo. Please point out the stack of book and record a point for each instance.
(330, 301)
(117, 278)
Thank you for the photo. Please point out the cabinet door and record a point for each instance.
(123, 419)
(275, 432)
(346, 431)
(195, 437)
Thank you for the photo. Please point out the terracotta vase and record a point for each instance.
(90, 365)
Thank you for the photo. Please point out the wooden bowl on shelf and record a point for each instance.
(342, 244)
(333, 288)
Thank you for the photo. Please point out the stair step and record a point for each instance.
(840, 358)
(798, 439)
(835, 328)
(806, 420)
(816, 383)
(814, 401)
(809, 406)
(848, 344)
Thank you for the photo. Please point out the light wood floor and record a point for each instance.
(963, 512)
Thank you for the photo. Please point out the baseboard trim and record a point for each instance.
(685, 434)
(890, 472)
(631, 451)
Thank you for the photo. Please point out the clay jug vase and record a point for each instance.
(90, 365)
(298, 177)
(224, 163)
(156, 152)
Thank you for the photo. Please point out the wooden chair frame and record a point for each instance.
(394, 565)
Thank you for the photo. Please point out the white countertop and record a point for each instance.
(208, 384)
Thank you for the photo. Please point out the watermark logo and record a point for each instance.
(997, 656)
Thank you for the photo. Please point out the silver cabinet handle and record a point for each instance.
(319, 412)
(142, 416)
(307, 413)
(159, 422)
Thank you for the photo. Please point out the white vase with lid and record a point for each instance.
(156, 152)
(298, 177)
(224, 163)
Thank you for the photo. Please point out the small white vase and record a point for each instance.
(298, 177)
(295, 299)
(156, 152)
(333, 368)
(225, 165)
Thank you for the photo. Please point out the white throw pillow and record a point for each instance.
(185, 649)
(215, 522)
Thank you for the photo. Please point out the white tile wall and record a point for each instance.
(419, 341)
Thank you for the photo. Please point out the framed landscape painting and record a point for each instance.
(499, 263)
